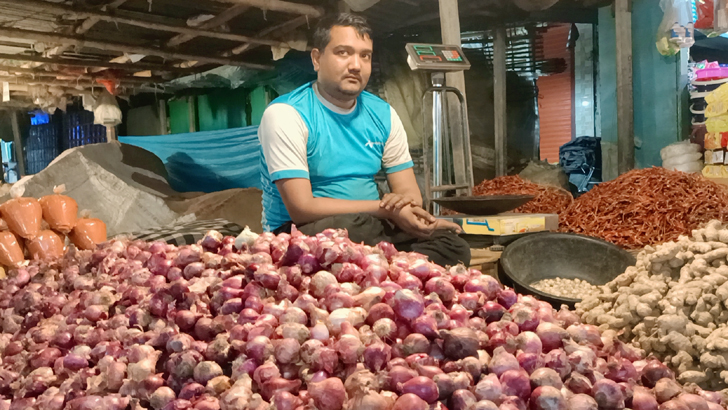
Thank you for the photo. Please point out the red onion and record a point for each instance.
(620, 370)
(407, 304)
(379, 311)
(530, 362)
(287, 350)
(579, 384)
(443, 288)
(654, 371)
(462, 400)
(283, 400)
(191, 391)
(643, 399)
(674, 404)
(424, 388)
(608, 395)
(530, 342)
(507, 298)
(502, 327)
(260, 348)
(398, 375)
(410, 402)
(269, 388)
(559, 361)
(711, 396)
(328, 394)
(547, 398)
(516, 383)
(693, 401)
(376, 356)
(460, 343)
(582, 402)
(502, 362)
(546, 377)
(487, 285)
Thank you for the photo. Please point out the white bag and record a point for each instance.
(677, 149)
(681, 159)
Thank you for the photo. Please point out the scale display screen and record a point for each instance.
(436, 57)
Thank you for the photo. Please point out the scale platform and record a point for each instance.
(505, 224)
(487, 215)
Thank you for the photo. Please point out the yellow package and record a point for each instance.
(715, 171)
(719, 94)
(717, 124)
(716, 109)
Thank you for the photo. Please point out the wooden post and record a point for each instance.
(450, 30)
(625, 102)
(499, 101)
(18, 142)
(163, 120)
(192, 113)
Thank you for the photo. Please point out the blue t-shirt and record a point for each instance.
(304, 136)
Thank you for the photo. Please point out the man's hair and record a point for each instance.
(322, 35)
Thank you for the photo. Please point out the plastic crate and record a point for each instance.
(41, 147)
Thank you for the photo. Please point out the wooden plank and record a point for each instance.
(163, 119)
(499, 101)
(625, 102)
(122, 48)
(195, 32)
(19, 157)
(192, 111)
(214, 22)
(282, 6)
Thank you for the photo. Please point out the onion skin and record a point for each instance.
(582, 402)
(608, 395)
(547, 398)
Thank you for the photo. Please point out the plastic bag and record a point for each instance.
(690, 167)
(677, 149)
(23, 215)
(676, 30)
(681, 159)
(88, 233)
(60, 211)
(706, 11)
(720, 16)
(11, 249)
(47, 245)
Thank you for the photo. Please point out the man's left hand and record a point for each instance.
(393, 201)
(442, 224)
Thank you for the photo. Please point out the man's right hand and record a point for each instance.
(414, 220)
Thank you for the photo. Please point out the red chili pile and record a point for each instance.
(303, 323)
(548, 199)
(646, 207)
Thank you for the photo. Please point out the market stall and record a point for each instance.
(120, 291)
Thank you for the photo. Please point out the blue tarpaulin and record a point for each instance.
(207, 161)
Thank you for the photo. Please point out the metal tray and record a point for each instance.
(483, 205)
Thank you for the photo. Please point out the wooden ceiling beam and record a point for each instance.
(56, 8)
(213, 23)
(281, 6)
(95, 64)
(53, 74)
(123, 48)
(271, 33)
(91, 21)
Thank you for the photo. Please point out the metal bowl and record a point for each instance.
(552, 255)
(483, 205)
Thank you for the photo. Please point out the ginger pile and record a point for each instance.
(674, 305)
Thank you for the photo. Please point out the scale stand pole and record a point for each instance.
(438, 81)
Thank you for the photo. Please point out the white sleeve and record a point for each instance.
(396, 150)
(283, 136)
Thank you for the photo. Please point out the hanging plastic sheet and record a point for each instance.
(207, 161)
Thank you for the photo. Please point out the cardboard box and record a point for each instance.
(506, 224)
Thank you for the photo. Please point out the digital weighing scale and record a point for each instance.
(438, 59)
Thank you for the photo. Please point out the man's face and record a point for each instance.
(345, 65)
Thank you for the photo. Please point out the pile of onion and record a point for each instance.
(295, 322)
